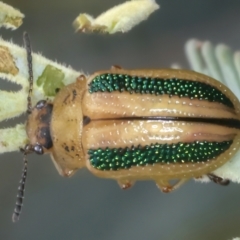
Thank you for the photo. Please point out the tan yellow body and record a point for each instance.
(82, 120)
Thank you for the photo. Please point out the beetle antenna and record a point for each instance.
(28, 148)
(20, 193)
(27, 44)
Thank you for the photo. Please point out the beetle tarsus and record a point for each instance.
(216, 179)
(125, 184)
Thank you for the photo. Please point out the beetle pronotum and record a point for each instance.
(130, 125)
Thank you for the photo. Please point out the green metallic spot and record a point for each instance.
(145, 85)
(51, 80)
(124, 158)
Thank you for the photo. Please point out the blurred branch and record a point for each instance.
(10, 17)
(120, 18)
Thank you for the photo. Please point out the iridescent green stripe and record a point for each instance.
(125, 158)
(145, 85)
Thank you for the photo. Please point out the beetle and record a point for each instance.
(130, 125)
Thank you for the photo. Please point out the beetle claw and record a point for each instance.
(166, 187)
(81, 78)
(125, 184)
(115, 67)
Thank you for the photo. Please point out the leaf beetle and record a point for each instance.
(131, 125)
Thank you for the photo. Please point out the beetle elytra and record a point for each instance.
(131, 125)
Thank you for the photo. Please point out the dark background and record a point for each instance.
(86, 207)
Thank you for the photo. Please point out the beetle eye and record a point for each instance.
(38, 149)
(41, 104)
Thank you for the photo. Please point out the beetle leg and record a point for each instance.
(62, 171)
(218, 180)
(166, 187)
(115, 67)
(125, 184)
